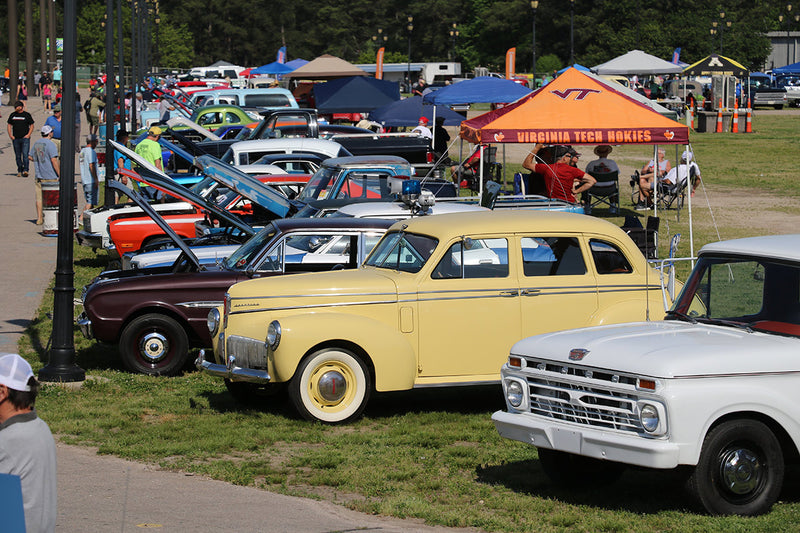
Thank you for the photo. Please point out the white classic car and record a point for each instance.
(714, 388)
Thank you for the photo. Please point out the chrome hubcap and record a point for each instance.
(332, 386)
(741, 471)
(154, 347)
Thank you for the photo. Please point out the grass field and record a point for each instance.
(429, 454)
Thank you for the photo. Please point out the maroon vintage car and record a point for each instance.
(157, 314)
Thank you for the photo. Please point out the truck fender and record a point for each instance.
(386, 350)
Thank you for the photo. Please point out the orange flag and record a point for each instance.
(511, 68)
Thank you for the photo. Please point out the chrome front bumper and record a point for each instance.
(92, 240)
(230, 370)
(85, 325)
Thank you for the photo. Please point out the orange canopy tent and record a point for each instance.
(575, 109)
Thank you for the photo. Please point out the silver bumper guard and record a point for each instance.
(85, 325)
(230, 370)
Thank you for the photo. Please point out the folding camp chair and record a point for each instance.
(492, 170)
(645, 238)
(605, 191)
(674, 194)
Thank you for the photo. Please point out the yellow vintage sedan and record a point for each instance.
(438, 302)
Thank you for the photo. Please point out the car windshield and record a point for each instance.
(245, 254)
(320, 184)
(402, 251)
(754, 293)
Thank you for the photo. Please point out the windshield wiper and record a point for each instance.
(681, 315)
(724, 322)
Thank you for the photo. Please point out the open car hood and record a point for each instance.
(176, 150)
(145, 205)
(246, 185)
(183, 121)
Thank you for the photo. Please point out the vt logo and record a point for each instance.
(580, 94)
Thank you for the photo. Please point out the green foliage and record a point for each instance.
(548, 64)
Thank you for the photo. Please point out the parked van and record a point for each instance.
(274, 98)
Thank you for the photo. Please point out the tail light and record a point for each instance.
(430, 156)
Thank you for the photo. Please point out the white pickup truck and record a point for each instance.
(714, 389)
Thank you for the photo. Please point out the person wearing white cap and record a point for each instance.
(684, 169)
(44, 155)
(27, 448)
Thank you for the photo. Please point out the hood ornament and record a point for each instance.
(577, 354)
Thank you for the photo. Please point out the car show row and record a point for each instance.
(330, 271)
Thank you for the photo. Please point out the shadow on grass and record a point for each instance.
(461, 400)
(640, 490)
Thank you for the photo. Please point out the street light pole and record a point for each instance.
(571, 32)
(788, 27)
(453, 36)
(722, 25)
(410, 28)
(534, 6)
(61, 365)
(713, 32)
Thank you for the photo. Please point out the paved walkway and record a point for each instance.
(101, 493)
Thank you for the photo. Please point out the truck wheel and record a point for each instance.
(253, 393)
(740, 469)
(569, 470)
(331, 385)
(154, 344)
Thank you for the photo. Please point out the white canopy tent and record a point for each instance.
(637, 62)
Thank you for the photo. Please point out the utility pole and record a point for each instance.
(29, 47)
(13, 51)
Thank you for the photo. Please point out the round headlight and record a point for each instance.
(212, 321)
(514, 393)
(649, 418)
(274, 335)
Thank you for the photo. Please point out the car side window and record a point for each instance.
(231, 118)
(608, 259)
(480, 258)
(272, 261)
(552, 256)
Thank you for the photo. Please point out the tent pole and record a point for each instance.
(655, 180)
(433, 132)
(480, 175)
(691, 228)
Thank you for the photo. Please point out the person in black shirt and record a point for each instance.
(20, 127)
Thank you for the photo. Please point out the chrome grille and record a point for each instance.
(249, 353)
(582, 395)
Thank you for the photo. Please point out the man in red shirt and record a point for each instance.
(563, 181)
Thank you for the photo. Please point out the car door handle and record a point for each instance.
(509, 294)
(530, 292)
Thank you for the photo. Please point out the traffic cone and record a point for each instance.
(691, 114)
(719, 117)
(735, 117)
(748, 126)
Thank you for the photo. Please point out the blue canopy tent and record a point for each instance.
(272, 68)
(577, 66)
(483, 89)
(356, 94)
(296, 63)
(794, 68)
(407, 112)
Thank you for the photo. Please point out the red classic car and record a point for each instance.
(133, 234)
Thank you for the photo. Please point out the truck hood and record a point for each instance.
(317, 289)
(668, 349)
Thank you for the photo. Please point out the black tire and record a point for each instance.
(253, 394)
(348, 386)
(568, 470)
(740, 470)
(155, 345)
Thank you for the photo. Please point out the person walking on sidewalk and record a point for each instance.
(45, 163)
(88, 163)
(54, 121)
(20, 127)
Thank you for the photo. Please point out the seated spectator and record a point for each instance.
(602, 165)
(563, 181)
(468, 168)
(679, 174)
(647, 179)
